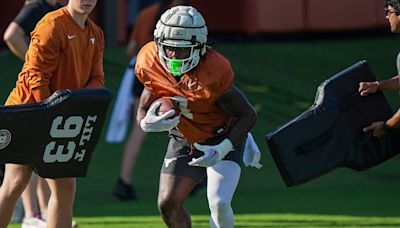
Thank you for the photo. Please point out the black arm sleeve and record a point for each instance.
(31, 13)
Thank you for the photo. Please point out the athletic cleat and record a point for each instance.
(33, 222)
(124, 192)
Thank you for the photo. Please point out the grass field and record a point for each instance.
(280, 79)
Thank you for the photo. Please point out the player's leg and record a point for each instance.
(177, 180)
(124, 190)
(61, 201)
(223, 179)
(29, 198)
(131, 152)
(43, 195)
(173, 191)
(31, 205)
(15, 180)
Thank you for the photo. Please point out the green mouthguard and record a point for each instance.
(175, 66)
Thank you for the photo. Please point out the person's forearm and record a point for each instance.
(394, 121)
(392, 84)
(41, 93)
(146, 99)
(18, 46)
(15, 38)
(235, 104)
(141, 113)
(242, 127)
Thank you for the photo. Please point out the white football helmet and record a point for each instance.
(183, 27)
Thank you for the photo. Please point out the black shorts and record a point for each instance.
(177, 158)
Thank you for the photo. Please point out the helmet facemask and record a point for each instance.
(178, 67)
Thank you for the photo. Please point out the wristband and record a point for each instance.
(379, 85)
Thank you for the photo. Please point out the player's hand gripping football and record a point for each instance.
(158, 123)
(212, 153)
(366, 88)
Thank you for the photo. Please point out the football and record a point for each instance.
(166, 105)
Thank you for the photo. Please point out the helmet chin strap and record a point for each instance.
(175, 66)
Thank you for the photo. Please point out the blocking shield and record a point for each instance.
(329, 134)
(57, 136)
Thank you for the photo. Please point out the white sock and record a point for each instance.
(222, 180)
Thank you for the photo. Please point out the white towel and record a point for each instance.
(251, 154)
(121, 113)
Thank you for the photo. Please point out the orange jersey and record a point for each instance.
(145, 23)
(61, 55)
(202, 86)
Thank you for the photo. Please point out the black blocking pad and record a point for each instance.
(57, 136)
(329, 134)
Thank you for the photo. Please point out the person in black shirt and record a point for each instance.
(17, 33)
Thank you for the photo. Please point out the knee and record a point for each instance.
(219, 205)
(64, 187)
(167, 206)
(14, 188)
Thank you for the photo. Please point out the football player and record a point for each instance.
(65, 52)
(392, 8)
(208, 137)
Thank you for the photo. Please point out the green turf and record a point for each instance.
(280, 79)
(246, 221)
